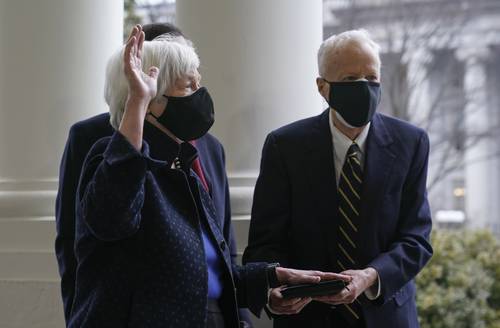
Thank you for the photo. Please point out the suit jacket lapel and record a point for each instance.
(379, 160)
(204, 158)
(323, 187)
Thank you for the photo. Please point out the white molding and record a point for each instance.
(29, 266)
(41, 195)
(241, 200)
(28, 184)
(27, 198)
(242, 179)
(27, 203)
(27, 234)
(27, 247)
(241, 188)
(35, 304)
(27, 225)
(241, 225)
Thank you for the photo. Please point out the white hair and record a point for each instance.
(174, 57)
(336, 43)
(173, 38)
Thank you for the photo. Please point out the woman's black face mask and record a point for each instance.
(190, 117)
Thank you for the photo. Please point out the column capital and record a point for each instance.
(473, 55)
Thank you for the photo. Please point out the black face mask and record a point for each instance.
(355, 101)
(189, 117)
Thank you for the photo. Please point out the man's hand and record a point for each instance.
(288, 276)
(279, 305)
(361, 280)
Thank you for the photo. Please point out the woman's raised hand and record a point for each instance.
(142, 87)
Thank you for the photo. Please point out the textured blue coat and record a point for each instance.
(82, 136)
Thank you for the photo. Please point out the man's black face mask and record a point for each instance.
(355, 101)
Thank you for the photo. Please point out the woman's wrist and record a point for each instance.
(137, 104)
(132, 122)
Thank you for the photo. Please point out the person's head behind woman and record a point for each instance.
(178, 68)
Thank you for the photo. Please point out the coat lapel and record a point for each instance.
(323, 186)
(378, 165)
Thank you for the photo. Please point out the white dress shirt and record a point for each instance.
(341, 144)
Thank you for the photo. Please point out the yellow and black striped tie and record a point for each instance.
(349, 200)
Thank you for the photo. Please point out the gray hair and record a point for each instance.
(173, 38)
(174, 56)
(336, 43)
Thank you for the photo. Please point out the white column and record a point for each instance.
(492, 68)
(52, 61)
(258, 59)
(477, 156)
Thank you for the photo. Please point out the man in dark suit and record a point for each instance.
(82, 136)
(345, 191)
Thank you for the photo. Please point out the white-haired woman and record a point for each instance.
(149, 242)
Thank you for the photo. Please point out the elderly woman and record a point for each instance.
(150, 250)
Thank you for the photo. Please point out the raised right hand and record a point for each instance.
(142, 87)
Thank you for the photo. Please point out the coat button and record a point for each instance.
(223, 245)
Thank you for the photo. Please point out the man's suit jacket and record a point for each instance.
(82, 136)
(295, 211)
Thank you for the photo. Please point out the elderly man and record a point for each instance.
(345, 191)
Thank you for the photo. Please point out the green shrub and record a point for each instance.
(460, 287)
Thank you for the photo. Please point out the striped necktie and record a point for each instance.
(349, 201)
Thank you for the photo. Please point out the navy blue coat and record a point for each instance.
(295, 206)
(81, 138)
